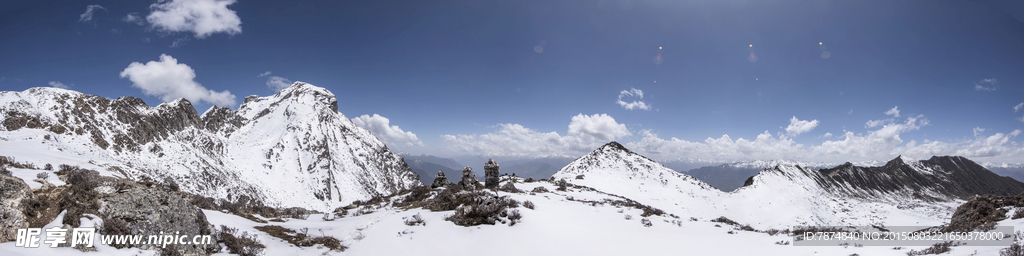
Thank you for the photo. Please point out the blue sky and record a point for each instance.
(670, 79)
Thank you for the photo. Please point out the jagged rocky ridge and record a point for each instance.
(948, 176)
(289, 149)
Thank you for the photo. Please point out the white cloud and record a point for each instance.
(58, 84)
(827, 135)
(894, 112)
(133, 18)
(202, 17)
(89, 10)
(632, 93)
(586, 132)
(1017, 107)
(978, 131)
(598, 126)
(278, 83)
(992, 85)
(264, 74)
(797, 126)
(875, 123)
(380, 126)
(171, 80)
(724, 148)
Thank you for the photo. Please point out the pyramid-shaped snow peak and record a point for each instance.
(613, 168)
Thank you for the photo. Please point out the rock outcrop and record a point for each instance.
(15, 196)
(469, 180)
(440, 180)
(491, 174)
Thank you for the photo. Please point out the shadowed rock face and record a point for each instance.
(951, 176)
(14, 197)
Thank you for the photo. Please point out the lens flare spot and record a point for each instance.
(819, 43)
(658, 60)
(825, 55)
(538, 49)
(751, 45)
(752, 57)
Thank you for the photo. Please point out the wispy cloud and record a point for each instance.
(264, 74)
(179, 42)
(990, 84)
(637, 94)
(278, 83)
(1017, 107)
(58, 84)
(894, 112)
(978, 131)
(133, 18)
(89, 10)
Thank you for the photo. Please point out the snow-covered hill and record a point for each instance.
(903, 192)
(289, 149)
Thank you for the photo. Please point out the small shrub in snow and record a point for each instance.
(1019, 213)
(938, 248)
(43, 175)
(48, 167)
(783, 242)
(579, 177)
(646, 222)
(561, 185)
(628, 217)
(415, 220)
(1015, 249)
(540, 189)
(302, 238)
(244, 244)
(528, 204)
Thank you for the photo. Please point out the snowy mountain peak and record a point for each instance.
(288, 149)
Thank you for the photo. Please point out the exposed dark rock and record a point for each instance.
(218, 118)
(510, 187)
(491, 174)
(469, 181)
(982, 213)
(15, 200)
(440, 180)
(151, 210)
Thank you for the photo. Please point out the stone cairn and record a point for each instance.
(491, 174)
(440, 180)
(469, 180)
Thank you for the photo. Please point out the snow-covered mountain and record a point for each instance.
(290, 149)
(904, 191)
